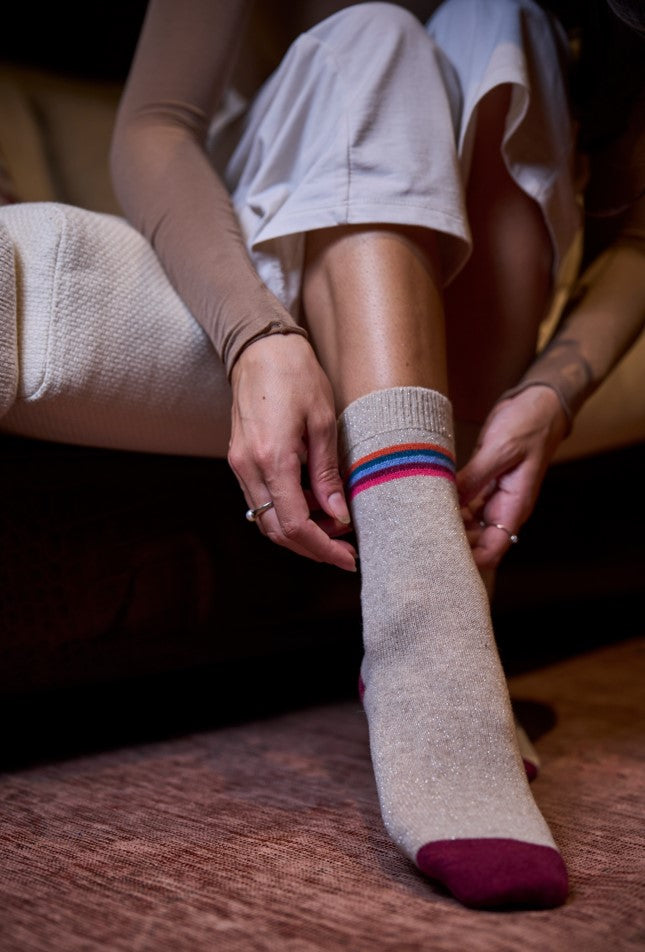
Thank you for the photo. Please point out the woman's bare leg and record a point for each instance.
(496, 304)
(373, 306)
(373, 302)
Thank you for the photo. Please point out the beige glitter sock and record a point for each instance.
(452, 787)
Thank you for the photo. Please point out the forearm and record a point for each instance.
(604, 318)
(164, 179)
(170, 193)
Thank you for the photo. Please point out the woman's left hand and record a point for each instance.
(499, 485)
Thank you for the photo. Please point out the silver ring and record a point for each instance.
(252, 514)
(513, 537)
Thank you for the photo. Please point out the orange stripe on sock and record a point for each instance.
(399, 447)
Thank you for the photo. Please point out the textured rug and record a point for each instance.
(265, 835)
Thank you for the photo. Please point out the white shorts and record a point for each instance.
(370, 118)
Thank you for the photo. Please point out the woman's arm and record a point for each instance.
(283, 413)
(500, 484)
(164, 179)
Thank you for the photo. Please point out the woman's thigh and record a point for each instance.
(496, 304)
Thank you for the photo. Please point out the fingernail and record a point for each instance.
(339, 508)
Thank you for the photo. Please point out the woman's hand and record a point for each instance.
(500, 483)
(283, 419)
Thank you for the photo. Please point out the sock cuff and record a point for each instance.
(415, 410)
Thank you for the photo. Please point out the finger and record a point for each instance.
(268, 524)
(289, 523)
(324, 476)
(249, 499)
(331, 527)
(273, 532)
(473, 535)
(512, 502)
(490, 546)
(314, 542)
(487, 556)
(328, 524)
(304, 542)
(500, 522)
(260, 492)
(471, 515)
(240, 475)
(476, 481)
(256, 492)
(480, 475)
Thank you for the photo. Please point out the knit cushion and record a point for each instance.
(106, 352)
(96, 348)
(8, 330)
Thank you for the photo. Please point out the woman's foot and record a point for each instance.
(452, 786)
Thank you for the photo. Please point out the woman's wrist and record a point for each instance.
(563, 369)
(258, 314)
(272, 353)
(272, 328)
(563, 403)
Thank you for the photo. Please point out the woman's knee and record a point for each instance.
(375, 26)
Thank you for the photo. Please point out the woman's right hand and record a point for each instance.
(283, 418)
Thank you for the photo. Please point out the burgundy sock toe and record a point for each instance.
(494, 872)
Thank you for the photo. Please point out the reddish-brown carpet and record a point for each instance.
(267, 836)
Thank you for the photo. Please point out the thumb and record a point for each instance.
(482, 469)
(324, 476)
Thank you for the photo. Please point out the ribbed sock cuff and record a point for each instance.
(417, 410)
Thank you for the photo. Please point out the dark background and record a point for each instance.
(91, 40)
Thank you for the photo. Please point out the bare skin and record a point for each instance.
(378, 318)
(495, 305)
(374, 309)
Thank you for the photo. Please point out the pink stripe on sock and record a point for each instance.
(400, 472)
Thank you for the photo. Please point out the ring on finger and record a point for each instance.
(513, 536)
(253, 514)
